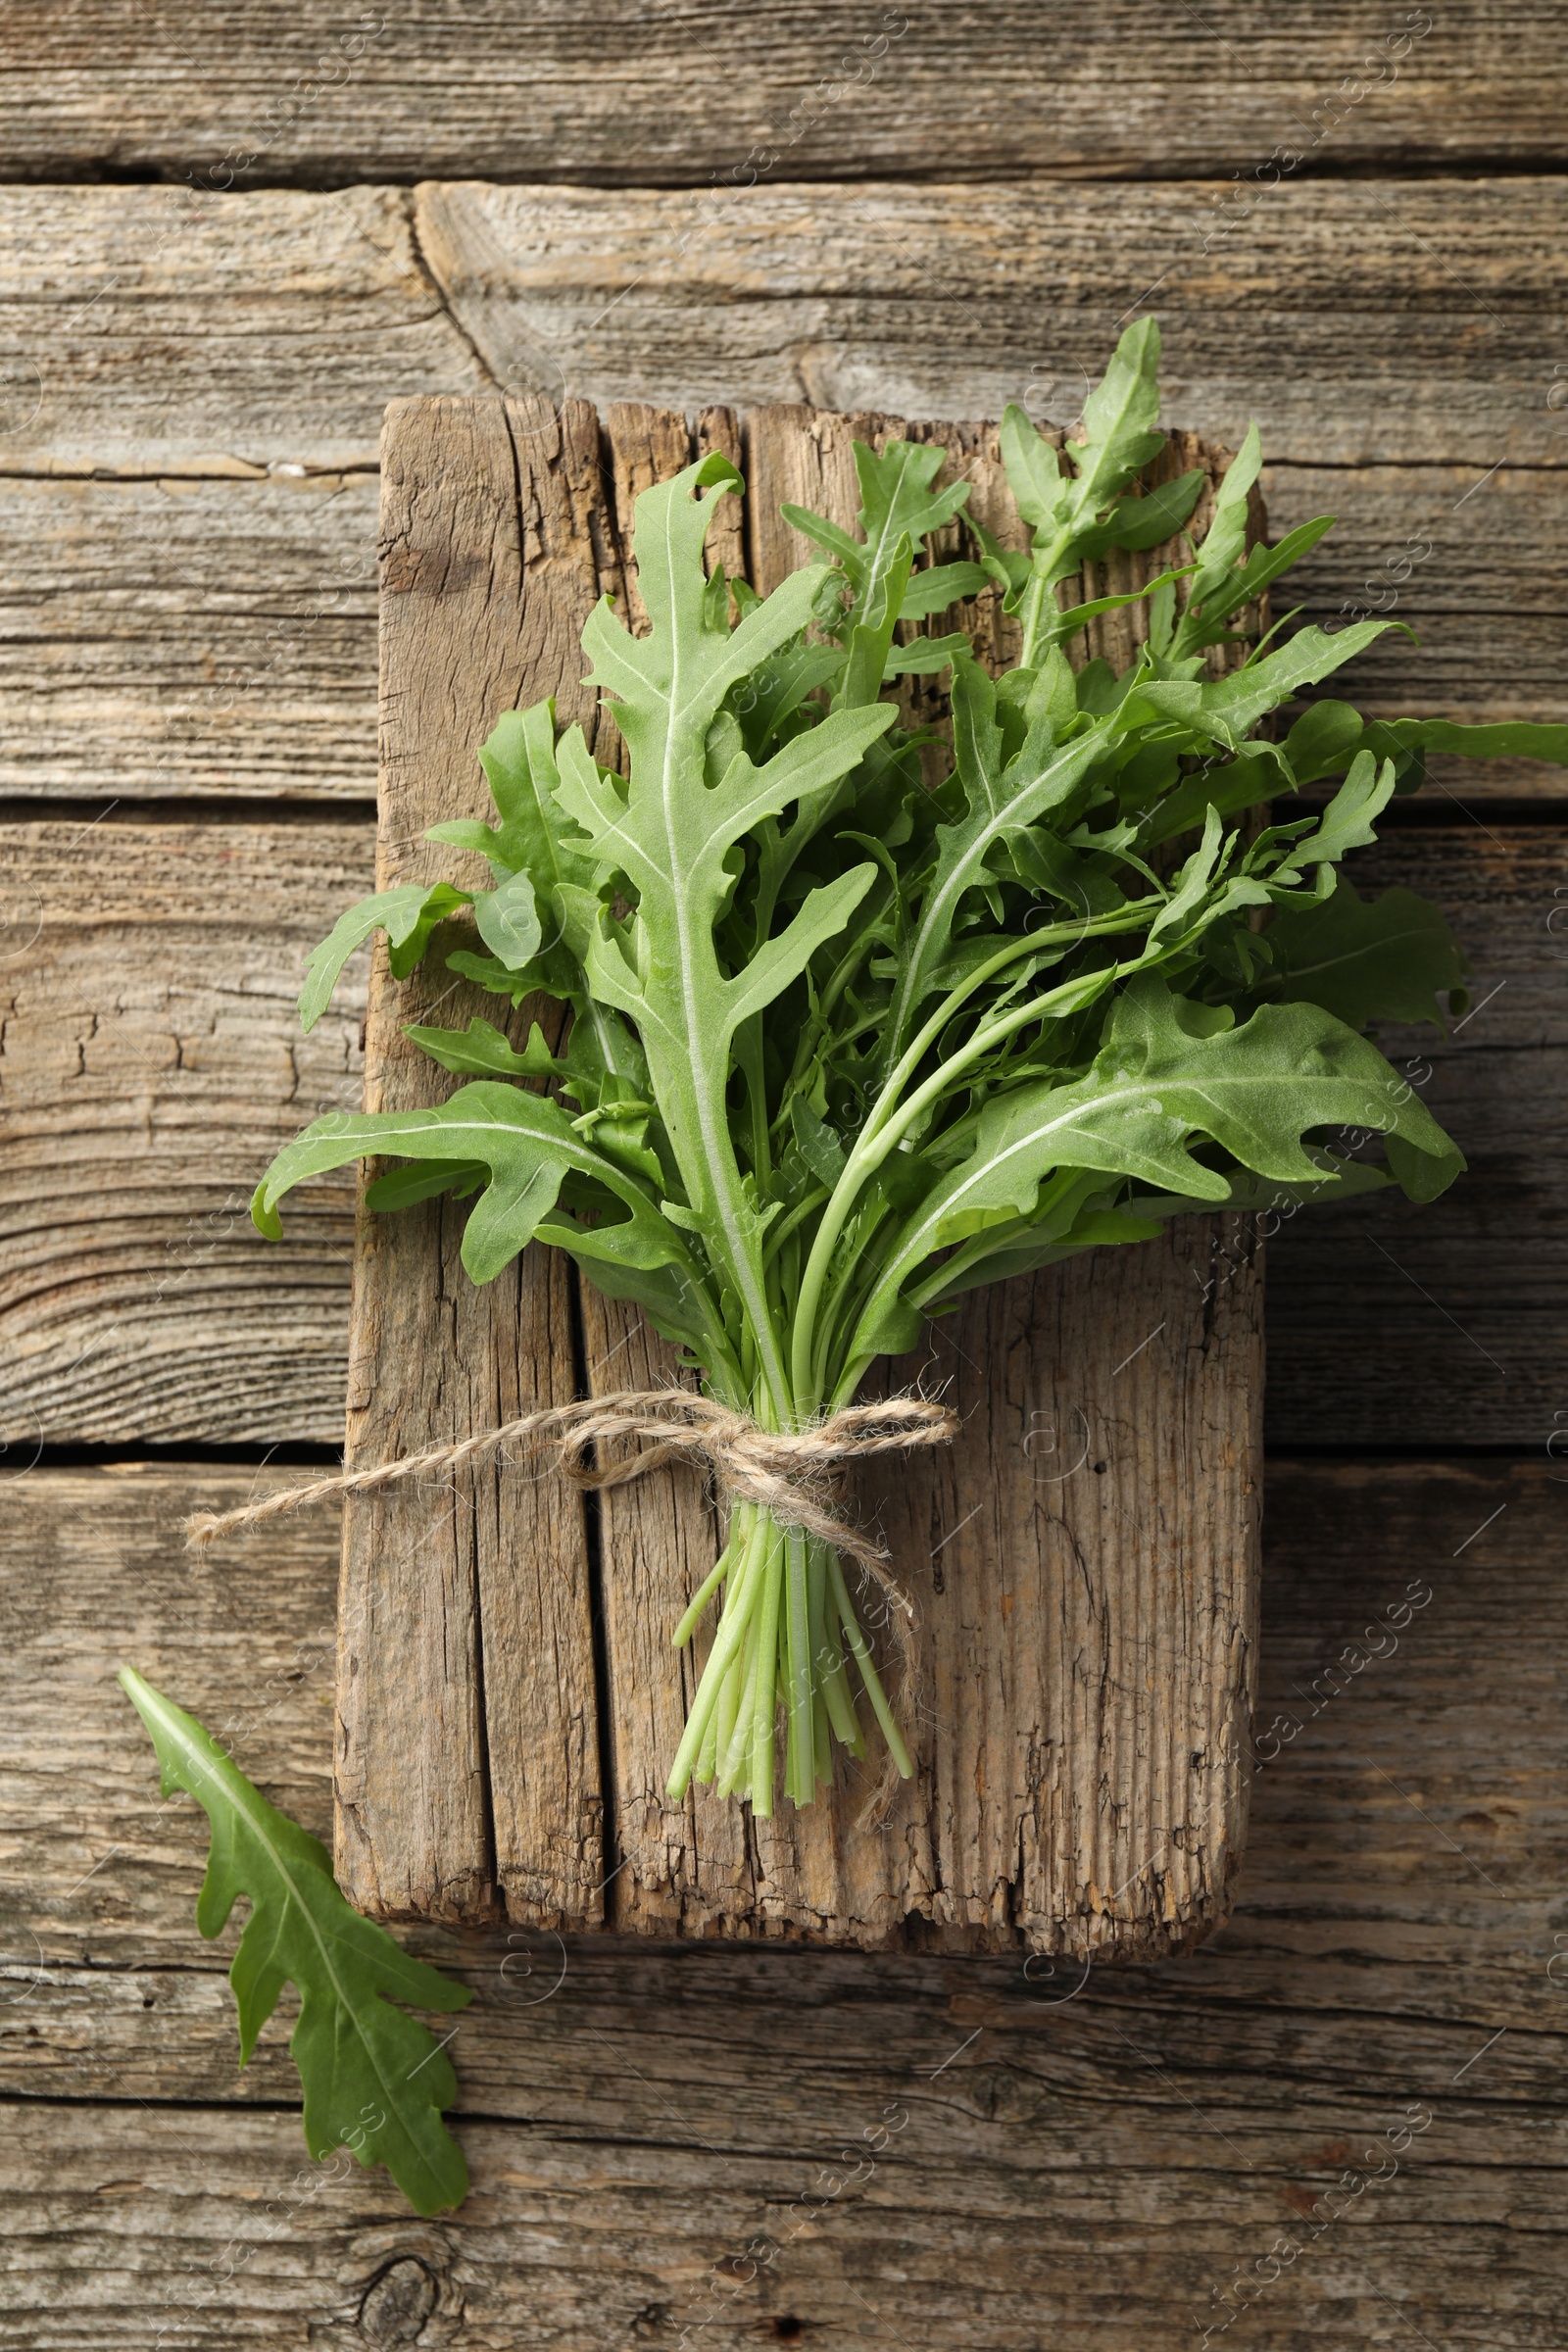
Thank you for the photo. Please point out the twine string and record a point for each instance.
(794, 1474)
(790, 1473)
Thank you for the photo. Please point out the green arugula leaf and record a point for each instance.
(940, 587)
(1367, 960)
(407, 914)
(526, 1142)
(1346, 822)
(1002, 798)
(1161, 1079)
(508, 922)
(481, 1051)
(375, 2081)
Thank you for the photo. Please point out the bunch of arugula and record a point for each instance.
(842, 1046)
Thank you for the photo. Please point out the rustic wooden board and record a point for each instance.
(635, 2117)
(152, 1064)
(488, 574)
(217, 638)
(169, 638)
(146, 1085)
(144, 331)
(604, 92)
(1078, 1780)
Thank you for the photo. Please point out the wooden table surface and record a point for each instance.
(227, 242)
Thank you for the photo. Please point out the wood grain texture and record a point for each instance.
(635, 2118)
(163, 639)
(151, 1062)
(1361, 321)
(1387, 1320)
(1078, 1776)
(181, 637)
(152, 331)
(469, 1741)
(144, 331)
(608, 92)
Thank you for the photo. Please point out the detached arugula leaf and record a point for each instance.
(375, 2081)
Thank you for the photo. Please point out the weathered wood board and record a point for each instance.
(1360, 324)
(590, 90)
(1088, 1664)
(147, 626)
(634, 2116)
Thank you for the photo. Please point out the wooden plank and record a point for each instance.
(637, 2127)
(1361, 321)
(160, 639)
(484, 1765)
(152, 1064)
(1046, 1753)
(600, 93)
(1475, 562)
(218, 638)
(136, 1305)
(128, 2222)
(151, 331)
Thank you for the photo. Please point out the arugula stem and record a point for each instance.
(868, 1673)
(870, 1148)
(834, 1671)
(1040, 593)
(736, 1756)
(801, 1779)
(817, 1660)
(761, 1698)
(727, 1642)
(710, 1583)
